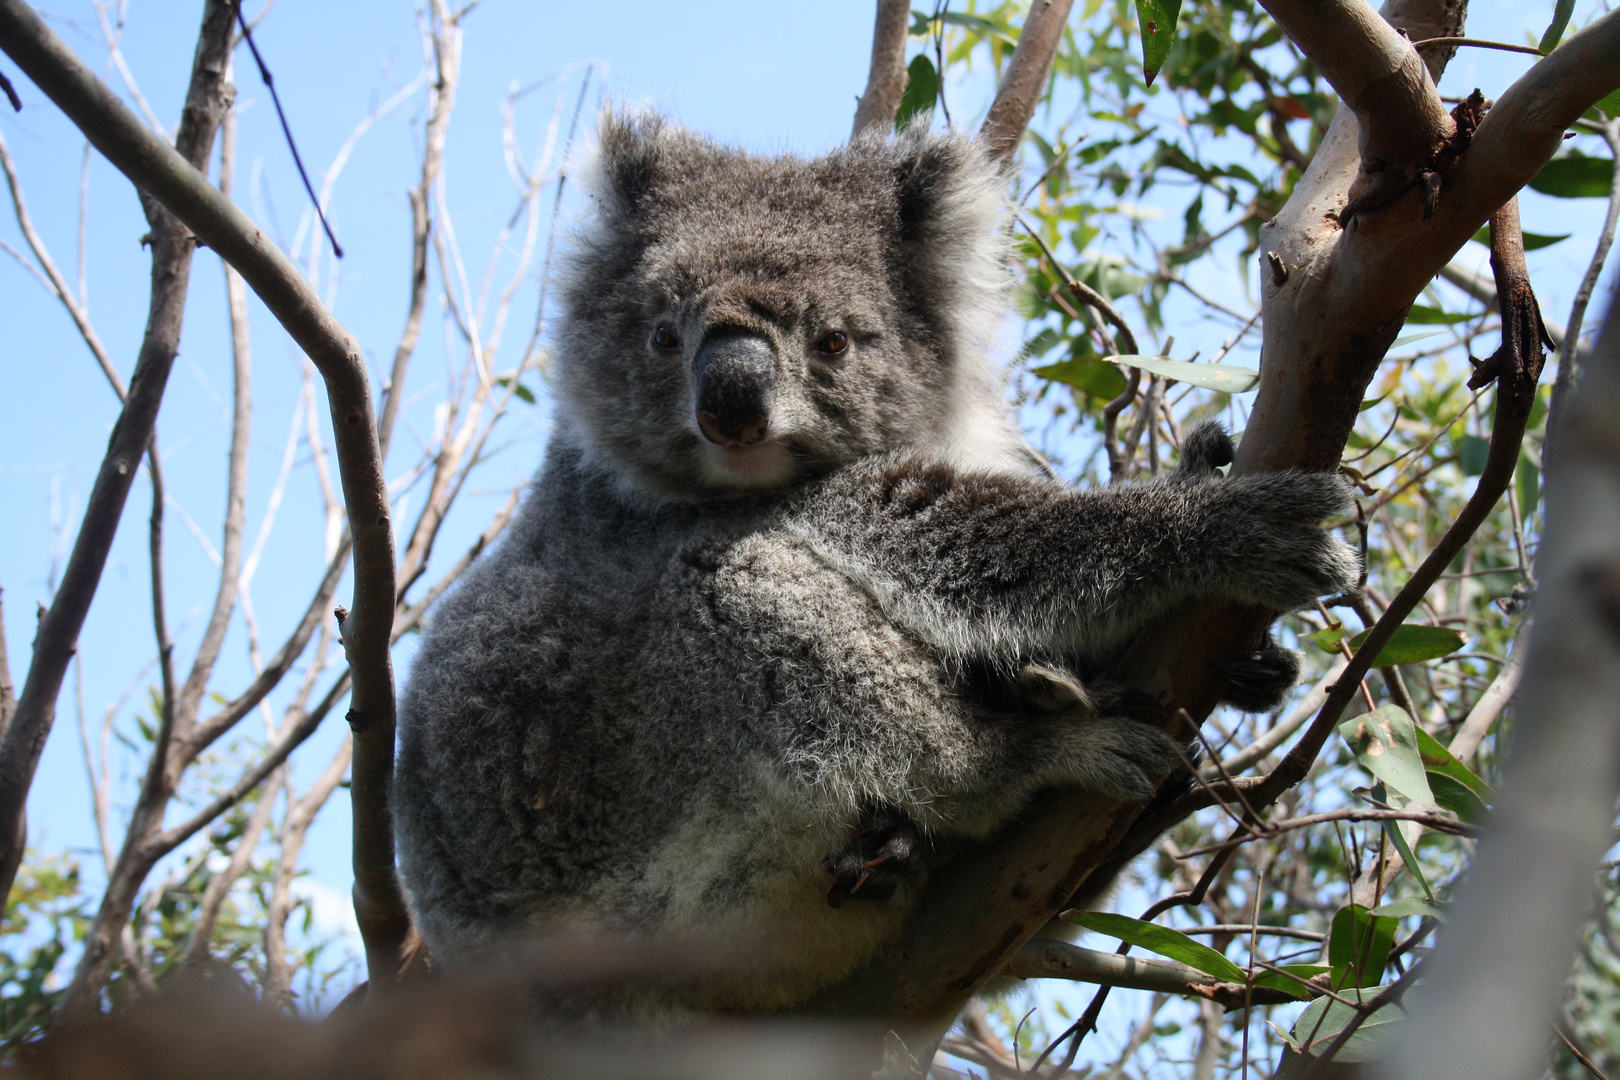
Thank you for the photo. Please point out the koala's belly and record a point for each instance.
(675, 756)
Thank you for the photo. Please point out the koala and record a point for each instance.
(789, 609)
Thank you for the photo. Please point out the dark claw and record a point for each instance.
(1260, 681)
(883, 854)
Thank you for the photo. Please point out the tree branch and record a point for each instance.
(172, 180)
(1551, 824)
(172, 247)
(1046, 959)
(1025, 81)
(886, 82)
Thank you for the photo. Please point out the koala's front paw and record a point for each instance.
(1259, 682)
(883, 854)
(1276, 553)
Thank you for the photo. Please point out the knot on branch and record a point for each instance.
(1382, 183)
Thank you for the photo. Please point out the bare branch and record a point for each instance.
(71, 302)
(40, 54)
(1046, 959)
(1025, 79)
(219, 886)
(294, 828)
(886, 81)
(446, 44)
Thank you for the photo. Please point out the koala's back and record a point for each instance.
(657, 722)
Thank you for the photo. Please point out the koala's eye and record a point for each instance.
(834, 344)
(665, 339)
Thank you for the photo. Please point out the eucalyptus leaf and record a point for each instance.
(1157, 19)
(1323, 1019)
(1359, 944)
(1407, 339)
(1223, 377)
(1555, 29)
(1327, 639)
(1275, 980)
(1397, 837)
(1575, 176)
(1415, 644)
(922, 91)
(1437, 759)
(1424, 315)
(1532, 241)
(1385, 744)
(1401, 909)
(1160, 939)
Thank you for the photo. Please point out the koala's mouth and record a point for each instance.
(763, 465)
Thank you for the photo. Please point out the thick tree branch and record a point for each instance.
(886, 82)
(1552, 822)
(1025, 81)
(161, 172)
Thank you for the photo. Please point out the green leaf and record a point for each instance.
(1276, 981)
(1385, 744)
(1223, 377)
(1401, 909)
(1472, 452)
(1437, 759)
(1532, 241)
(1157, 19)
(1042, 342)
(1576, 176)
(1327, 639)
(922, 91)
(1322, 1020)
(1422, 314)
(1527, 478)
(1087, 374)
(1610, 103)
(1415, 644)
(1407, 339)
(1358, 945)
(1392, 829)
(1555, 29)
(1455, 796)
(1162, 940)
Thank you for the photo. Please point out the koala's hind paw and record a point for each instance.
(1260, 681)
(883, 854)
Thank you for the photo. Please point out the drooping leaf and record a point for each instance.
(1223, 377)
(1555, 29)
(1415, 644)
(1437, 759)
(1610, 103)
(1323, 1019)
(1407, 339)
(1423, 315)
(1358, 945)
(1527, 479)
(1327, 639)
(1276, 981)
(1157, 19)
(1088, 374)
(1532, 241)
(1576, 176)
(1385, 744)
(1472, 452)
(1401, 909)
(1160, 939)
(922, 91)
(1397, 837)
(1456, 796)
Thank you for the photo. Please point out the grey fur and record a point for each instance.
(683, 678)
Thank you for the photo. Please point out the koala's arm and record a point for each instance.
(985, 566)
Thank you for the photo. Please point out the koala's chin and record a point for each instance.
(762, 467)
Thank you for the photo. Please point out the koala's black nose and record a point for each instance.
(735, 372)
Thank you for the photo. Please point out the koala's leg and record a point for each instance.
(884, 855)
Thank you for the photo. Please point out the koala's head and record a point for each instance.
(735, 322)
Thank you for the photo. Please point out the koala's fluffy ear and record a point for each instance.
(625, 165)
(949, 190)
